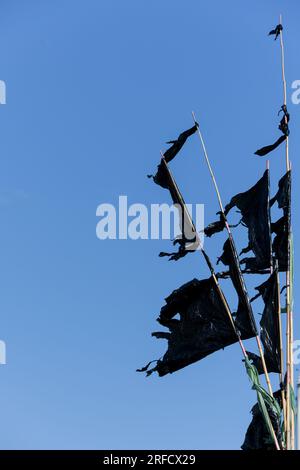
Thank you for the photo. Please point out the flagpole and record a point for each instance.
(231, 238)
(298, 413)
(289, 315)
(281, 379)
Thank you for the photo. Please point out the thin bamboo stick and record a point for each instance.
(289, 315)
(281, 378)
(187, 214)
(232, 241)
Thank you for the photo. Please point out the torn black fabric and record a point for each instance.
(283, 127)
(255, 209)
(276, 31)
(161, 177)
(280, 246)
(257, 436)
(244, 319)
(215, 227)
(257, 362)
(281, 227)
(179, 143)
(269, 148)
(203, 327)
(269, 323)
(284, 123)
(188, 241)
(283, 195)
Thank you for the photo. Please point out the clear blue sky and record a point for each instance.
(94, 89)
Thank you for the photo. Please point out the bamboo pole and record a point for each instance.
(232, 241)
(210, 267)
(290, 438)
(281, 378)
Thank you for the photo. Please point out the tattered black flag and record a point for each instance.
(159, 177)
(179, 143)
(257, 362)
(281, 227)
(255, 210)
(258, 436)
(280, 244)
(284, 128)
(203, 327)
(269, 148)
(270, 327)
(283, 195)
(189, 240)
(276, 31)
(244, 320)
(216, 226)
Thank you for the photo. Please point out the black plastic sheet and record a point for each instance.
(281, 227)
(276, 31)
(270, 328)
(255, 211)
(257, 436)
(203, 326)
(244, 319)
(257, 362)
(283, 127)
(179, 143)
(269, 148)
(188, 241)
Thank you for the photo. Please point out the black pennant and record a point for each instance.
(257, 436)
(189, 240)
(179, 143)
(255, 210)
(281, 227)
(269, 148)
(276, 31)
(244, 321)
(203, 328)
(270, 327)
(284, 128)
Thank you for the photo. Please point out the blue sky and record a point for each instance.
(94, 89)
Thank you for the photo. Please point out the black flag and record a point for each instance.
(257, 362)
(281, 228)
(189, 240)
(159, 177)
(244, 321)
(169, 154)
(284, 128)
(276, 31)
(216, 226)
(179, 143)
(270, 327)
(269, 148)
(258, 436)
(203, 327)
(255, 210)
